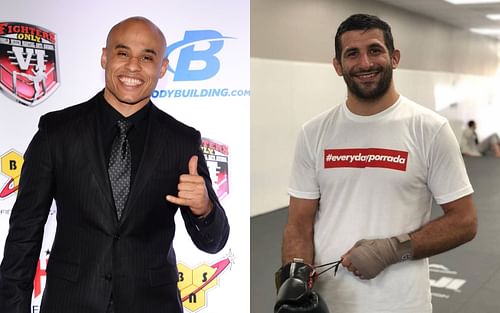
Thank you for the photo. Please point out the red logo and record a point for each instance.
(366, 157)
(28, 66)
(217, 154)
(40, 272)
(8, 189)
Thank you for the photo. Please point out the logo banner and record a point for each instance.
(28, 65)
(366, 157)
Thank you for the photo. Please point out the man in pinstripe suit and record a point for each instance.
(102, 261)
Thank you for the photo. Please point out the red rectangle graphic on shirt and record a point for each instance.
(366, 157)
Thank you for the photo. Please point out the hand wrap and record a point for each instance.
(370, 257)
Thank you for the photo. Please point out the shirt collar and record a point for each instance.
(110, 116)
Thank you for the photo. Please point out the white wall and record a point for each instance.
(284, 95)
(304, 30)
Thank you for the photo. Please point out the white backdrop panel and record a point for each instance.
(207, 87)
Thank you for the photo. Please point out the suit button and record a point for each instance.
(116, 237)
(108, 277)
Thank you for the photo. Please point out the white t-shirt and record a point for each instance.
(375, 177)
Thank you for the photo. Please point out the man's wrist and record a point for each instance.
(404, 249)
(209, 210)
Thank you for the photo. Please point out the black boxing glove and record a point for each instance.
(294, 283)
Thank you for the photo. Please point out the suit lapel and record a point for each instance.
(156, 140)
(92, 140)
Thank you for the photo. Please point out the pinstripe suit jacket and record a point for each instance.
(94, 254)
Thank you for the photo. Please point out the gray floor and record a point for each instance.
(464, 280)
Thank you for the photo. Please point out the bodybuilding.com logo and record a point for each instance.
(194, 58)
(188, 55)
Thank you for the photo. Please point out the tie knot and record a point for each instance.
(124, 126)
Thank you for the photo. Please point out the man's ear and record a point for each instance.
(337, 66)
(396, 56)
(104, 59)
(164, 67)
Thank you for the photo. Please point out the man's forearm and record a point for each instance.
(298, 243)
(454, 228)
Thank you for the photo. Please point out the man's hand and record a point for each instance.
(370, 257)
(192, 191)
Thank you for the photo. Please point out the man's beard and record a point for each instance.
(370, 94)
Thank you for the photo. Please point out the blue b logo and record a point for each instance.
(188, 54)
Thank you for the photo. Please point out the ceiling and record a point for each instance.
(463, 16)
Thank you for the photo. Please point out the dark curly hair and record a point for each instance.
(363, 22)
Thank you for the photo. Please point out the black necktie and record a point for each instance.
(120, 167)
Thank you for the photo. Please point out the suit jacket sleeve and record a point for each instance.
(27, 222)
(209, 234)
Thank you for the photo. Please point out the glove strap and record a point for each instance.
(332, 265)
(298, 269)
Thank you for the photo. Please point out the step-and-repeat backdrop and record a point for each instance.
(50, 59)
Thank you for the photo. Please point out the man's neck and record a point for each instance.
(367, 107)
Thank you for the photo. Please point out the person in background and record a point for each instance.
(118, 169)
(363, 180)
(471, 146)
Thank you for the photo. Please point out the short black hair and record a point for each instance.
(471, 123)
(363, 22)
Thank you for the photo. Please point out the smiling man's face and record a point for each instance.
(365, 63)
(133, 60)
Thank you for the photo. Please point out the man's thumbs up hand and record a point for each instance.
(192, 190)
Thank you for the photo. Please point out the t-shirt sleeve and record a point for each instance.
(447, 179)
(303, 180)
